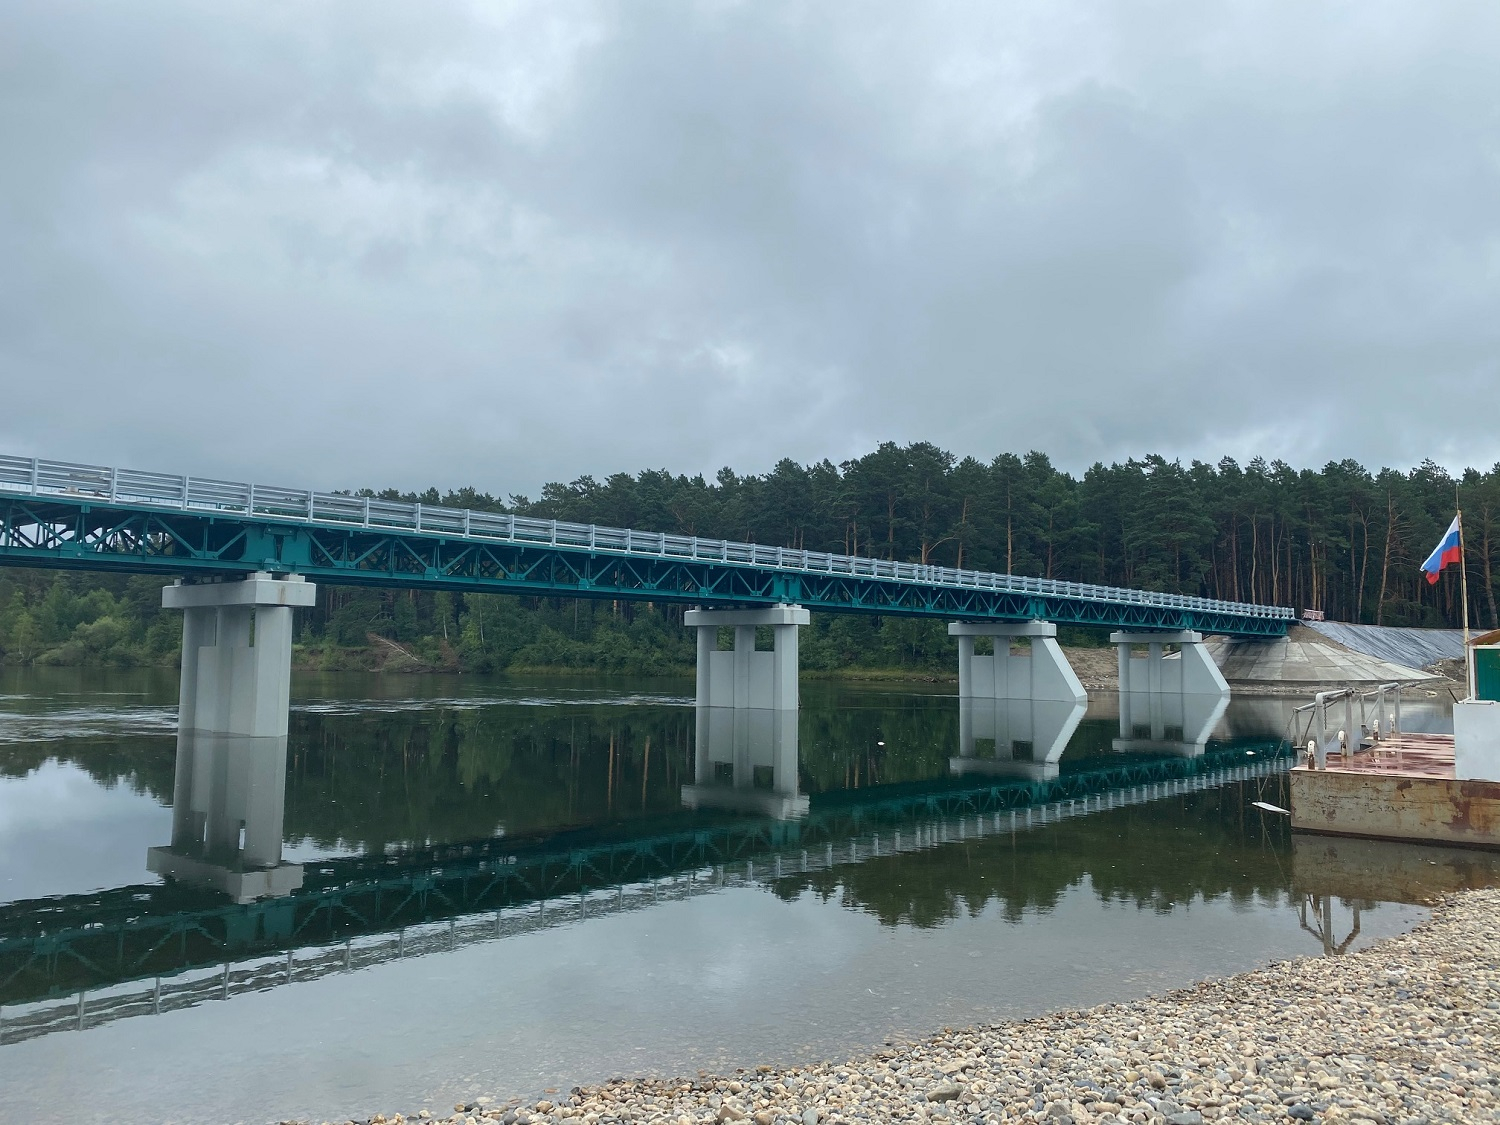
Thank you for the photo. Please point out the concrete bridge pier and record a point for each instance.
(237, 653)
(741, 676)
(1044, 673)
(229, 792)
(1190, 669)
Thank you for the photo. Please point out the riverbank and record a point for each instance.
(1405, 1031)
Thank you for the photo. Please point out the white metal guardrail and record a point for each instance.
(37, 477)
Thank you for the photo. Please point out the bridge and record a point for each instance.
(244, 556)
(62, 515)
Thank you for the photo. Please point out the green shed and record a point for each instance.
(1487, 671)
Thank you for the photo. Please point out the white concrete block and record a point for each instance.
(1476, 740)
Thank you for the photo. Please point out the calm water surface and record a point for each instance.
(500, 891)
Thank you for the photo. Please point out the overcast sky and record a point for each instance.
(436, 243)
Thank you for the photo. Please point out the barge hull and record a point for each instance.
(1396, 806)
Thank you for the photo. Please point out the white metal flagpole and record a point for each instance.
(1463, 578)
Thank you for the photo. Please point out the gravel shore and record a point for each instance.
(1407, 1031)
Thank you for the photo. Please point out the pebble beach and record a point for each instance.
(1404, 1032)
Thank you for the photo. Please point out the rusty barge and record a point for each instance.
(1370, 779)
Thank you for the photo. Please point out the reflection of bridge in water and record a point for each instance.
(86, 960)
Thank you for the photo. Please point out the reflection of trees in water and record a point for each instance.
(1315, 915)
(142, 765)
(841, 748)
(1154, 856)
(468, 773)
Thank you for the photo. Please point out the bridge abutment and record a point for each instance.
(741, 676)
(1044, 673)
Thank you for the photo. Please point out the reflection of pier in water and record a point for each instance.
(228, 807)
(1022, 738)
(141, 950)
(745, 760)
(1162, 722)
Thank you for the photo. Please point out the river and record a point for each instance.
(876, 890)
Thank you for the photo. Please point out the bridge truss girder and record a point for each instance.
(44, 532)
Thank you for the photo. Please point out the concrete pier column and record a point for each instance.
(1191, 669)
(742, 677)
(237, 653)
(1042, 674)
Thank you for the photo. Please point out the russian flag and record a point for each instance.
(1447, 551)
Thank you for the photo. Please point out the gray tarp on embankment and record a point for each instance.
(1413, 648)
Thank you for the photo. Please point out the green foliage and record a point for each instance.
(1342, 540)
(77, 618)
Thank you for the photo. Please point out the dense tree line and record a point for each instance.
(1342, 539)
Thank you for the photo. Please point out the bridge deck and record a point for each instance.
(60, 514)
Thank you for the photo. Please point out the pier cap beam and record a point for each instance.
(258, 589)
(1002, 629)
(1174, 637)
(770, 615)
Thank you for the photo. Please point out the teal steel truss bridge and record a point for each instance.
(63, 515)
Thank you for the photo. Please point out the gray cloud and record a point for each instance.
(355, 243)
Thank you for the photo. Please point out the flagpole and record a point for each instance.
(1463, 574)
